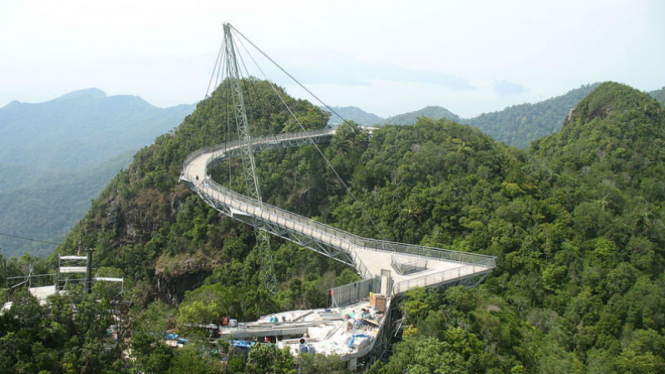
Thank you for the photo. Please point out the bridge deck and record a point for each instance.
(369, 259)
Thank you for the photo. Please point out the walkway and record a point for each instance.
(431, 266)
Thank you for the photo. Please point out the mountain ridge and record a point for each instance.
(516, 125)
(519, 125)
(659, 95)
(83, 120)
(431, 111)
(352, 113)
(578, 223)
(85, 92)
(597, 130)
(63, 139)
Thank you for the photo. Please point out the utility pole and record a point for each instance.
(88, 272)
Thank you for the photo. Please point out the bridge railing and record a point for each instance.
(342, 239)
(219, 149)
(326, 233)
(276, 215)
(438, 278)
(360, 266)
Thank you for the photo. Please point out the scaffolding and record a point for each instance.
(72, 270)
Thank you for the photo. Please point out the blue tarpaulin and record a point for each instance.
(242, 344)
(356, 336)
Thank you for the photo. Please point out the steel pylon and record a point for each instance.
(248, 161)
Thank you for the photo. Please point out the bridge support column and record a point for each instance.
(352, 364)
(386, 280)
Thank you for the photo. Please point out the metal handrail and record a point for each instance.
(437, 278)
(331, 235)
(360, 266)
(268, 212)
(259, 140)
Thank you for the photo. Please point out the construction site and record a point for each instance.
(358, 327)
(74, 270)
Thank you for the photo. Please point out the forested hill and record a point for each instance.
(659, 95)
(580, 237)
(361, 117)
(519, 125)
(49, 205)
(577, 223)
(615, 125)
(165, 238)
(516, 125)
(352, 113)
(410, 118)
(81, 129)
(55, 157)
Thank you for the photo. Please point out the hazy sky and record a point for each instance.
(387, 57)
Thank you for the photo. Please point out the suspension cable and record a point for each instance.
(328, 163)
(220, 72)
(30, 239)
(221, 67)
(217, 64)
(252, 90)
(289, 75)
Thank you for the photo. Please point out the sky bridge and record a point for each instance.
(408, 266)
(388, 269)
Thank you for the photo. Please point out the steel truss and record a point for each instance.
(272, 144)
(248, 162)
(337, 253)
(283, 232)
(277, 230)
(323, 239)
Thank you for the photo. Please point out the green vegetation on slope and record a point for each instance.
(69, 336)
(410, 118)
(577, 223)
(55, 157)
(353, 114)
(47, 207)
(659, 95)
(519, 125)
(579, 285)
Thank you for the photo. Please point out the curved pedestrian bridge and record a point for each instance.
(408, 265)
